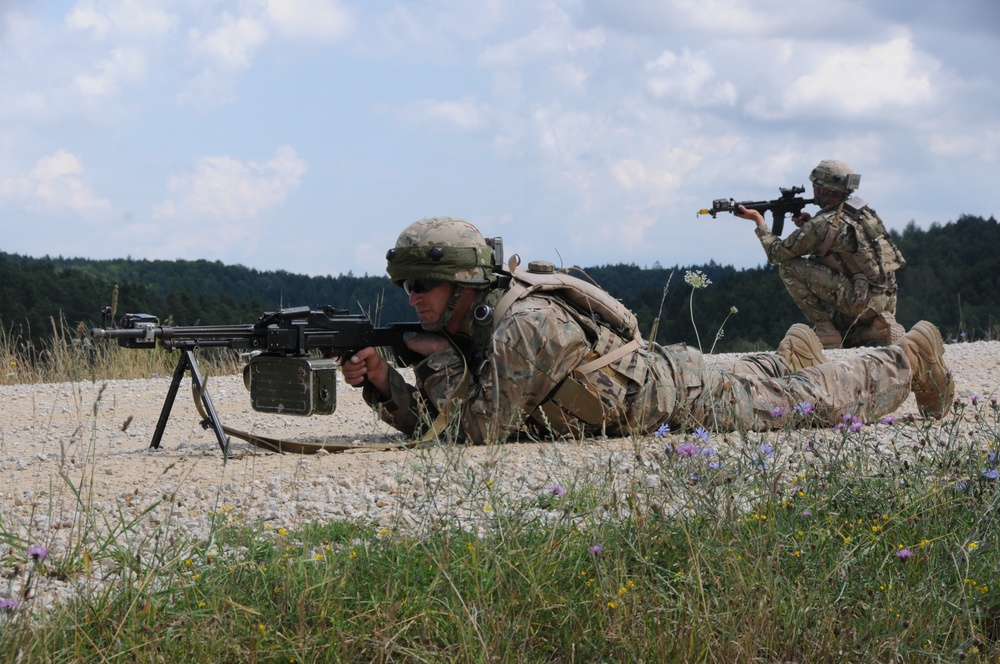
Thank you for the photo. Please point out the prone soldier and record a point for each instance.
(511, 353)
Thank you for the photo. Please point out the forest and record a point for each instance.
(951, 278)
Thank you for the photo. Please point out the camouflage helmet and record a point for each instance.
(441, 249)
(835, 176)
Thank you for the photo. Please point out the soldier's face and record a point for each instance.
(430, 304)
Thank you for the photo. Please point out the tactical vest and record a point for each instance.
(593, 395)
(876, 258)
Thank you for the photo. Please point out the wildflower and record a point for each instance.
(663, 430)
(903, 554)
(974, 399)
(702, 434)
(991, 474)
(687, 450)
(697, 279)
(7, 605)
(558, 491)
(708, 452)
(596, 549)
(856, 424)
(888, 419)
(803, 409)
(807, 513)
(733, 310)
(972, 546)
(767, 449)
(38, 552)
(778, 411)
(993, 402)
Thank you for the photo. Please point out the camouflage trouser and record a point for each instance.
(759, 391)
(824, 295)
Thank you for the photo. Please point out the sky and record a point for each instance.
(304, 135)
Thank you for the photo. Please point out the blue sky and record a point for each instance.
(303, 135)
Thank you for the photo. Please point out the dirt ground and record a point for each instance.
(72, 445)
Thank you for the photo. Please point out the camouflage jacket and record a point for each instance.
(532, 353)
(849, 238)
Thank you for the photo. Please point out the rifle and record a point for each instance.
(779, 207)
(284, 374)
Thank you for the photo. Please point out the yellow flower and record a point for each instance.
(973, 545)
(488, 508)
(611, 605)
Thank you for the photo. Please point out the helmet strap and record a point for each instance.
(456, 293)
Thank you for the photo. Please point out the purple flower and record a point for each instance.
(803, 409)
(702, 434)
(7, 604)
(974, 399)
(991, 474)
(596, 549)
(807, 513)
(857, 425)
(888, 419)
(687, 450)
(558, 490)
(708, 452)
(903, 554)
(767, 449)
(38, 552)
(663, 430)
(778, 411)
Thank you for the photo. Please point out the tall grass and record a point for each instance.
(873, 543)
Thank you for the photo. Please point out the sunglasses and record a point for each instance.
(420, 286)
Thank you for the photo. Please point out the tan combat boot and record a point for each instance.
(828, 335)
(801, 347)
(932, 384)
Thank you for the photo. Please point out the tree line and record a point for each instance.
(951, 279)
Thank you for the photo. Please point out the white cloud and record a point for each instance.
(689, 77)
(854, 81)
(55, 183)
(122, 67)
(557, 37)
(131, 19)
(223, 188)
(231, 45)
(321, 20)
(463, 114)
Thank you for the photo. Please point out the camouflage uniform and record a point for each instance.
(519, 363)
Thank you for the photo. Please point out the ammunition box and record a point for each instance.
(293, 385)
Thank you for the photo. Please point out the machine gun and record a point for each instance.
(290, 371)
(789, 202)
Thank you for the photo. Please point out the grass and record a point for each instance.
(874, 544)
